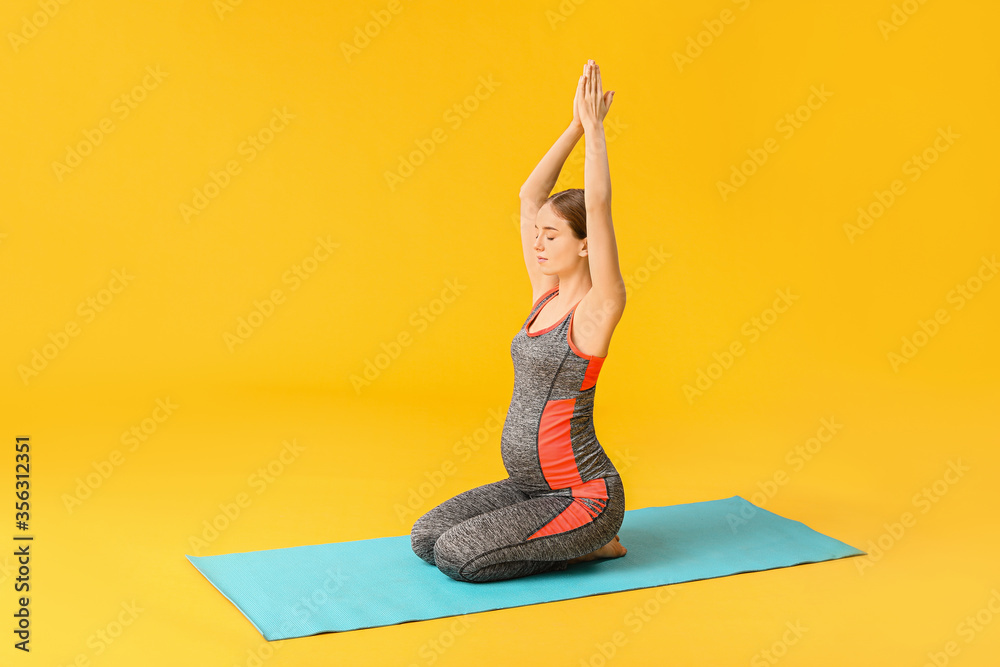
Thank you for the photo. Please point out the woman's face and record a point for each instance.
(555, 242)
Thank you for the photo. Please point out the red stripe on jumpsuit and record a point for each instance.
(555, 455)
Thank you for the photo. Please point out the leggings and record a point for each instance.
(488, 533)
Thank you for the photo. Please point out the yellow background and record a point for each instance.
(673, 133)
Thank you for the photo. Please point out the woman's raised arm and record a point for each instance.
(543, 178)
(602, 251)
(536, 190)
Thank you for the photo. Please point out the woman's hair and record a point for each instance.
(571, 207)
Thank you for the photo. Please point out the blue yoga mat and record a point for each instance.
(306, 590)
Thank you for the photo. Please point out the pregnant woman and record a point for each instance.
(563, 501)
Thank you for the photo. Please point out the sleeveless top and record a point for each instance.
(548, 443)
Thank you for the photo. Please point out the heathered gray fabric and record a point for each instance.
(482, 534)
(546, 368)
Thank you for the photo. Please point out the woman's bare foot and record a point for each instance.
(612, 549)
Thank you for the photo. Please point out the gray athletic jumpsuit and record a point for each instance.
(563, 497)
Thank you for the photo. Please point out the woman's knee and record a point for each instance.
(450, 558)
(422, 539)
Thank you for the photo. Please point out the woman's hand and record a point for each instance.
(576, 107)
(591, 103)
